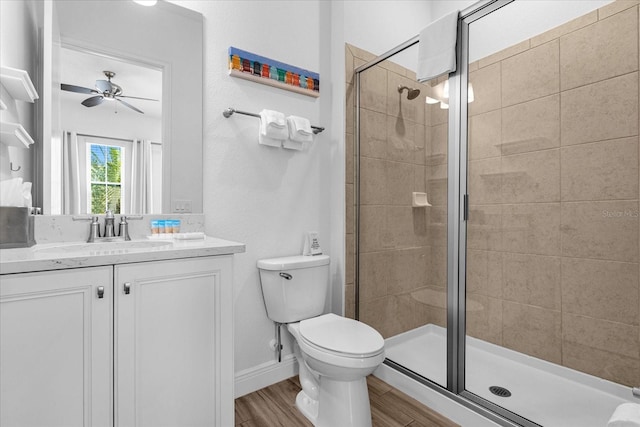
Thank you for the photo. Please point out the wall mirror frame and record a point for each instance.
(167, 37)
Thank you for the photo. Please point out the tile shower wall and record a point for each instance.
(402, 249)
(552, 256)
(553, 236)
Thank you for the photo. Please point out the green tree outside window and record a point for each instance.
(106, 178)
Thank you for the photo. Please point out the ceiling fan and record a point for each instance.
(105, 89)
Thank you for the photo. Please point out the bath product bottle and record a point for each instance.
(312, 244)
(155, 226)
(176, 225)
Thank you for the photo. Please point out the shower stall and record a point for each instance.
(492, 214)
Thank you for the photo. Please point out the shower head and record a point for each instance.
(412, 93)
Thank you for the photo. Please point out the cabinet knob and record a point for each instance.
(100, 291)
(127, 288)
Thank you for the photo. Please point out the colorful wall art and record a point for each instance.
(249, 66)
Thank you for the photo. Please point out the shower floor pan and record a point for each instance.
(543, 392)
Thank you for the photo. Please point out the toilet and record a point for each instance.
(334, 354)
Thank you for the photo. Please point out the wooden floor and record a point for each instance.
(274, 406)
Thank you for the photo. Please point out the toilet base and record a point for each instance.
(307, 406)
(341, 403)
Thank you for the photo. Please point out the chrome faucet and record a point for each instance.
(94, 230)
(109, 227)
(109, 230)
(123, 230)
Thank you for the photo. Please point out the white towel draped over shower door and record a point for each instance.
(437, 48)
(140, 194)
(73, 187)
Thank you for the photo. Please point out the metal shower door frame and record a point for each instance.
(457, 216)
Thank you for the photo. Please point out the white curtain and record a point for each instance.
(140, 196)
(72, 183)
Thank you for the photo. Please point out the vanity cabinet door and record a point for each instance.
(56, 352)
(173, 335)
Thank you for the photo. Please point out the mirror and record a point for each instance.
(135, 145)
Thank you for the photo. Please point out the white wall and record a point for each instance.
(18, 47)
(126, 125)
(263, 196)
(380, 25)
(439, 8)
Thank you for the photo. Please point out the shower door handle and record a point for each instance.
(465, 207)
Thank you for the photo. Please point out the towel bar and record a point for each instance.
(229, 112)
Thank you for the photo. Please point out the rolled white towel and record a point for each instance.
(265, 140)
(299, 129)
(273, 128)
(625, 415)
(299, 133)
(292, 145)
(273, 124)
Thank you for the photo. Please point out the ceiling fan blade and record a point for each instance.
(77, 89)
(136, 97)
(130, 106)
(104, 85)
(93, 101)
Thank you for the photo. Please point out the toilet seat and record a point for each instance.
(341, 336)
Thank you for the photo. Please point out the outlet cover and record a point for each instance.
(182, 206)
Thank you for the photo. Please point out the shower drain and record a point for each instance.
(499, 391)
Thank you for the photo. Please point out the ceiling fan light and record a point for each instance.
(146, 2)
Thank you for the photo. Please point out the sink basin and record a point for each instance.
(102, 247)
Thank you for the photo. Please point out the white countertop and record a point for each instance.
(42, 257)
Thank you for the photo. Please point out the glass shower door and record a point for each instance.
(402, 210)
(552, 290)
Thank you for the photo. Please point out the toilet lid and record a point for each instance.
(341, 335)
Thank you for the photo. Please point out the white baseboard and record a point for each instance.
(257, 377)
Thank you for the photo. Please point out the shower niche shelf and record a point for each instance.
(419, 200)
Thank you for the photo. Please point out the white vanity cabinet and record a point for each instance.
(56, 352)
(174, 343)
(154, 349)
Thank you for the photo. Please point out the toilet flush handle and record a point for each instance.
(286, 276)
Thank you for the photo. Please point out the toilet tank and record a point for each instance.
(295, 287)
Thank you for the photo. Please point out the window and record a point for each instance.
(105, 163)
